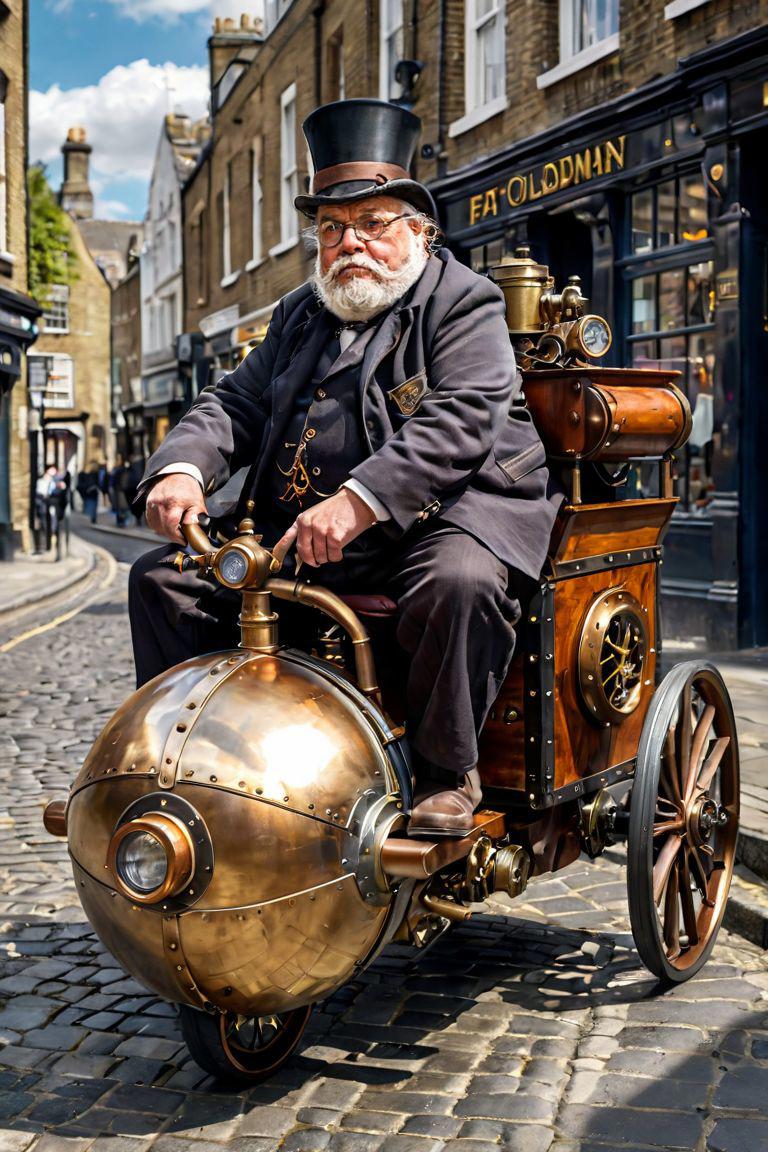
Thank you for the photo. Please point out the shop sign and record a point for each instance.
(728, 284)
(529, 185)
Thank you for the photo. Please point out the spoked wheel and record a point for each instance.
(684, 819)
(242, 1049)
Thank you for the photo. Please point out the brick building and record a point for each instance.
(620, 139)
(70, 367)
(126, 404)
(18, 313)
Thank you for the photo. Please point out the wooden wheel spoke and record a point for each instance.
(699, 876)
(684, 736)
(672, 916)
(698, 744)
(663, 865)
(712, 763)
(686, 899)
(669, 776)
(668, 826)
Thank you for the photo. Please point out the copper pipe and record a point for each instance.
(197, 538)
(258, 623)
(329, 603)
(444, 908)
(55, 818)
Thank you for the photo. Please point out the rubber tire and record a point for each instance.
(202, 1032)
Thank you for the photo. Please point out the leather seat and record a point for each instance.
(373, 605)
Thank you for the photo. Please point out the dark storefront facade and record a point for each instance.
(18, 329)
(657, 202)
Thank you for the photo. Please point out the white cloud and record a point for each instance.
(172, 10)
(122, 116)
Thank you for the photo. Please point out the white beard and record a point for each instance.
(362, 297)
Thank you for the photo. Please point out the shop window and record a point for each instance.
(673, 328)
(671, 213)
(390, 47)
(51, 381)
(56, 309)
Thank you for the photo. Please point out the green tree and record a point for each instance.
(52, 257)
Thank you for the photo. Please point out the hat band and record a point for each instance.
(358, 170)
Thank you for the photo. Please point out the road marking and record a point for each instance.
(41, 628)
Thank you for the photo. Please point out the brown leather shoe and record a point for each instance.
(442, 811)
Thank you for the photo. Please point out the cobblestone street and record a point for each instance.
(532, 1027)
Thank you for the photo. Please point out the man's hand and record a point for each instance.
(322, 531)
(174, 498)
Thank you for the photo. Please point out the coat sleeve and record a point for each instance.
(472, 380)
(222, 430)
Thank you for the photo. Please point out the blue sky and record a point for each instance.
(116, 67)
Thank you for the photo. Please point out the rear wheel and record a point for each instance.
(242, 1049)
(684, 819)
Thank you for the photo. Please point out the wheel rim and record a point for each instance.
(256, 1044)
(689, 818)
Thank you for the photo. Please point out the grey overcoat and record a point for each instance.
(437, 390)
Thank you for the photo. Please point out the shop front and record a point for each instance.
(656, 202)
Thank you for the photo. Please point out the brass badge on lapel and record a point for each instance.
(410, 393)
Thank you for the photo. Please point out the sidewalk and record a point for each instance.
(28, 579)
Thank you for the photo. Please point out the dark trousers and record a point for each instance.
(457, 608)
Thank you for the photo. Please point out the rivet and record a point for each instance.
(173, 947)
(214, 779)
(163, 779)
(169, 760)
(259, 791)
(181, 727)
(327, 811)
(163, 803)
(191, 705)
(188, 773)
(285, 799)
(311, 807)
(179, 967)
(241, 783)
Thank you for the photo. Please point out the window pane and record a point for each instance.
(490, 61)
(643, 353)
(698, 454)
(701, 293)
(672, 299)
(644, 304)
(692, 210)
(665, 224)
(642, 221)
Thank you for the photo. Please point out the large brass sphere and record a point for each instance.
(264, 779)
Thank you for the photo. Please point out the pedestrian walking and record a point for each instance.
(88, 490)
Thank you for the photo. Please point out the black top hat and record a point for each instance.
(362, 148)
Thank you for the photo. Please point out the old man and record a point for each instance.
(381, 423)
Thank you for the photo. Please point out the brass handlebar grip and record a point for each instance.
(334, 607)
(197, 538)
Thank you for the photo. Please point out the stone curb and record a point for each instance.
(746, 912)
(54, 588)
(752, 852)
(131, 533)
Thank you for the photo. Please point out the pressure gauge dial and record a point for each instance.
(592, 336)
(232, 567)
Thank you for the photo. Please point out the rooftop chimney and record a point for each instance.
(229, 36)
(75, 196)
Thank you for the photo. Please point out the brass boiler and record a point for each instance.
(270, 781)
(532, 305)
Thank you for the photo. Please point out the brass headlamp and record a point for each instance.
(151, 857)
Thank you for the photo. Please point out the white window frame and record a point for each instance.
(570, 60)
(680, 7)
(226, 236)
(386, 37)
(61, 368)
(289, 172)
(257, 196)
(475, 112)
(58, 295)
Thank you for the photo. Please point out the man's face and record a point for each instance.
(391, 250)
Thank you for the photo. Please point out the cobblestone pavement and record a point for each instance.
(532, 1027)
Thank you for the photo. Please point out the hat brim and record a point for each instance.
(350, 191)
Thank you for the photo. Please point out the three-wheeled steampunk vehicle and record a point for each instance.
(238, 832)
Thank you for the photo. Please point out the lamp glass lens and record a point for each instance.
(233, 568)
(142, 862)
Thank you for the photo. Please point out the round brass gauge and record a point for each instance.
(592, 336)
(242, 563)
(612, 653)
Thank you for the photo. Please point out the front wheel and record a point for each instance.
(242, 1049)
(684, 820)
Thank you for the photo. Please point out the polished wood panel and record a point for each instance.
(599, 529)
(502, 741)
(583, 747)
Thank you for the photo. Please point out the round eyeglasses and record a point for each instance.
(331, 232)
